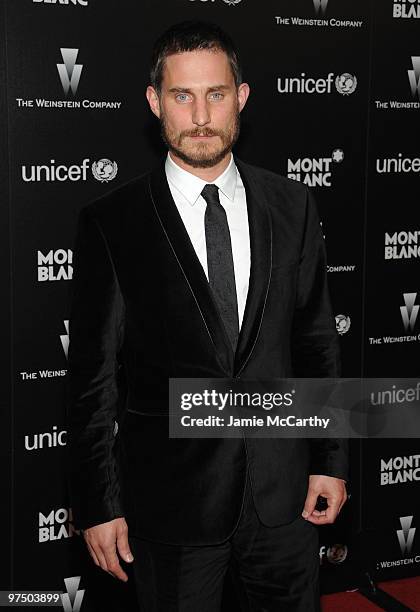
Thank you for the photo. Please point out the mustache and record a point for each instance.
(200, 132)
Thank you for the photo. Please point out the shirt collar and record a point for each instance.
(191, 186)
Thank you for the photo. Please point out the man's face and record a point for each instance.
(199, 106)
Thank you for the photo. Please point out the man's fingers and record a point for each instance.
(92, 554)
(328, 516)
(332, 511)
(95, 550)
(102, 541)
(343, 501)
(318, 512)
(310, 503)
(113, 564)
(101, 558)
(123, 546)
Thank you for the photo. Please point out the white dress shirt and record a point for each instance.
(186, 191)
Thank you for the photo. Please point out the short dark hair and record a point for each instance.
(192, 36)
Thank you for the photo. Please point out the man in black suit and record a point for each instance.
(206, 267)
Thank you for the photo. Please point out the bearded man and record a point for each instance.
(206, 267)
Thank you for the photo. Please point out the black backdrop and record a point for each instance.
(335, 103)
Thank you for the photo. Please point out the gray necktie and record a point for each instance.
(220, 262)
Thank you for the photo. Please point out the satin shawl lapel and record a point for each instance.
(260, 235)
(259, 222)
(191, 267)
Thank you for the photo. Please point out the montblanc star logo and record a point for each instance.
(338, 156)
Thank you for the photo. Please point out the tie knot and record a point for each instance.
(211, 193)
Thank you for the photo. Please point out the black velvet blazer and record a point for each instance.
(142, 312)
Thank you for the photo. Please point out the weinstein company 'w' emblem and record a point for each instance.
(414, 77)
(65, 338)
(406, 534)
(410, 311)
(72, 600)
(232, 2)
(69, 71)
(320, 6)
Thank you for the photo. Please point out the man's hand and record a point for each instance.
(333, 489)
(104, 540)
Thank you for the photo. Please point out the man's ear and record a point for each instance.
(153, 100)
(243, 93)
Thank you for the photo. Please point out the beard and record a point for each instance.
(201, 154)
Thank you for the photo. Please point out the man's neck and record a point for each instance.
(206, 174)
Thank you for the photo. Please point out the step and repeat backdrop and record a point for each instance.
(335, 104)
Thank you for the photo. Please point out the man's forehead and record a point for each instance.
(197, 66)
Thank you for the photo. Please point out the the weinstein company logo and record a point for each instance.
(65, 339)
(414, 77)
(69, 71)
(414, 81)
(409, 311)
(320, 20)
(320, 6)
(409, 314)
(72, 600)
(406, 534)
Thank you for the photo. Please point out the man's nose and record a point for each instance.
(201, 114)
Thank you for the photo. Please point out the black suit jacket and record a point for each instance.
(142, 306)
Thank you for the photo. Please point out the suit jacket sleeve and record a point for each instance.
(95, 330)
(315, 343)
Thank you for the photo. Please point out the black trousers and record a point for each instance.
(274, 569)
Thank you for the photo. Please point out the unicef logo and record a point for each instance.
(346, 83)
(104, 170)
(337, 553)
(342, 323)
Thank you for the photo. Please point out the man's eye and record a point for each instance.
(182, 97)
(217, 95)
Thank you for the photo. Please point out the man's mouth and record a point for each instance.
(202, 136)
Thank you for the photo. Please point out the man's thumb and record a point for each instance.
(310, 504)
(124, 548)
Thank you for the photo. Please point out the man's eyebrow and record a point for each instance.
(188, 90)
